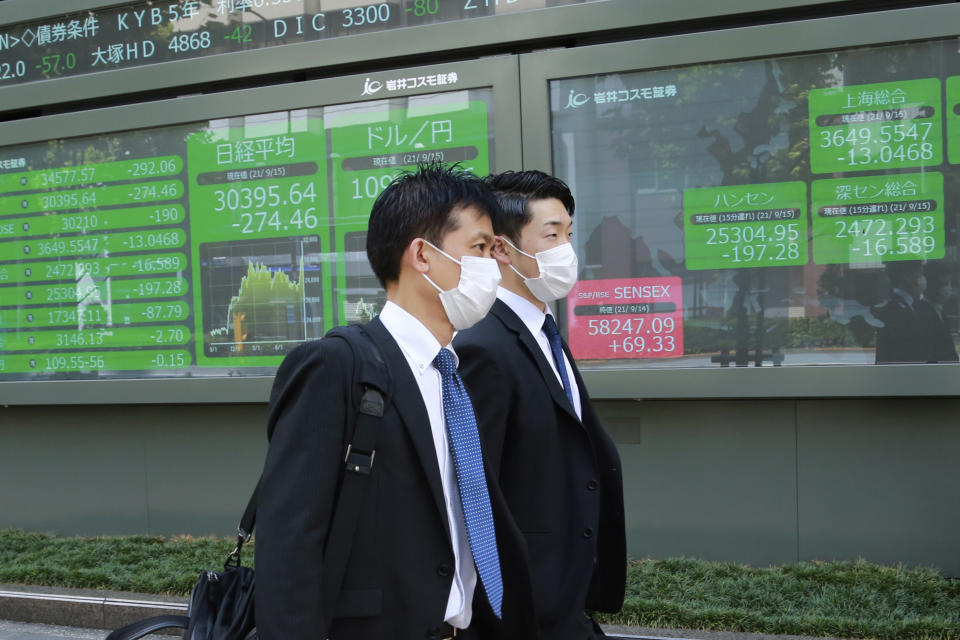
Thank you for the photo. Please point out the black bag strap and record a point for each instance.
(373, 378)
(371, 367)
(147, 626)
(374, 381)
(245, 529)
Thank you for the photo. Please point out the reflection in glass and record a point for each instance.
(783, 193)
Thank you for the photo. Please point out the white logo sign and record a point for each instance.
(372, 87)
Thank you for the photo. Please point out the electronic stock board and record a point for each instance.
(126, 35)
(212, 247)
(767, 210)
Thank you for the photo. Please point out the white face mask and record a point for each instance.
(469, 302)
(558, 272)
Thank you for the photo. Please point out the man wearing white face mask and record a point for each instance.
(436, 554)
(558, 468)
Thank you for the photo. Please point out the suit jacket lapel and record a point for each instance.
(576, 375)
(589, 419)
(409, 403)
(513, 323)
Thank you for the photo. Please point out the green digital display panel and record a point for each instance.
(369, 153)
(870, 127)
(952, 91)
(260, 227)
(735, 227)
(878, 218)
(210, 248)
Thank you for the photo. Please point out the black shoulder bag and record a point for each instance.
(222, 602)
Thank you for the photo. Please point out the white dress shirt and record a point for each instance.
(533, 318)
(906, 297)
(420, 348)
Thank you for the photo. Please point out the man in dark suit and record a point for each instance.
(436, 554)
(558, 468)
(913, 330)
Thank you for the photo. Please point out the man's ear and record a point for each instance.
(416, 257)
(499, 251)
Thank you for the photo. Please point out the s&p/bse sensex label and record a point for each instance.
(878, 218)
(753, 225)
(626, 318)
(871, 127)
(953, 119)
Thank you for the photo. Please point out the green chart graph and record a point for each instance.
(262, 297)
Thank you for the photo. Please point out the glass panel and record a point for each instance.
(209, 248)
(148, 32)
(783, 211)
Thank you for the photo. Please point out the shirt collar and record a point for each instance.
(906, 296)
(529, 314)
(414, 338)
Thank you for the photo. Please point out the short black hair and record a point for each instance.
(937, 272)
(515, 190)
(418, 204)
(903, 271)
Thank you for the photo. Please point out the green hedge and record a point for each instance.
(838, 599)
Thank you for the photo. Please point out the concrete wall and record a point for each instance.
(118, 470)
(758, 482)
(779, 481)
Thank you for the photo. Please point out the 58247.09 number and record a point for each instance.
(617, 326)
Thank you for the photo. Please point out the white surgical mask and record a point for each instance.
(469, 302)
(558, 272)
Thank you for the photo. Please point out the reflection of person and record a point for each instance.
(912, 329)
(939, 292)
(612, 252)
(559, 470)
(425, 561)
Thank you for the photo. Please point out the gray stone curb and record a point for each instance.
(645, 633)
(83, 607)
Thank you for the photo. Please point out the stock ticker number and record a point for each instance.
(750, 243)
(261, 209)
(636, 334)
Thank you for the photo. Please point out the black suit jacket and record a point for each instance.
(560, 475)
(400, 568)
(914, 333)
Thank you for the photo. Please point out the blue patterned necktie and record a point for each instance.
(471, 481)
(553, 337)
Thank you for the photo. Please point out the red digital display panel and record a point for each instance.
(626, 318)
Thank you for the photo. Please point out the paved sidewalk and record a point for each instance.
(28, 631)
(33, 631)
